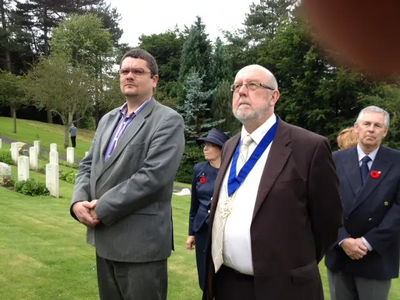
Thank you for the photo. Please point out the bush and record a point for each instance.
(68, 176)
(8, 182)
(5, 156)
(31, 187)
(65, 164)
(191, 156)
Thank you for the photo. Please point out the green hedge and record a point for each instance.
(31, 187)
(191, 156)
(5, 156)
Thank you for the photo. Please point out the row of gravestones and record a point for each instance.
(31, 162)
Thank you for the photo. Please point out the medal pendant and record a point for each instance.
(226, 208)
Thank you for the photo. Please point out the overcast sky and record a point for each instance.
(157, 16)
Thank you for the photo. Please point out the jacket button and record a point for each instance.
(386, 203)
(346, 218)
(370, 219)
(208, 211)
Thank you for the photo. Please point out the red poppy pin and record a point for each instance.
(203, 179)
(375, 174)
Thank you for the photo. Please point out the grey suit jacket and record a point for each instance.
(134, 187)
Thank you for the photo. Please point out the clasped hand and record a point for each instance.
(354, 248)
(84, 211)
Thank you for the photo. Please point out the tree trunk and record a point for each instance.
(49, 116)
(66, 135)
(14, 115)
(66, 129)
(7, 65)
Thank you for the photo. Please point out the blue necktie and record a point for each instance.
(364, 168)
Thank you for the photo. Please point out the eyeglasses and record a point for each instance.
(135, 72)
(252, 86)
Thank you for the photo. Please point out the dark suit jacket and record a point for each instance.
(134, 187)
(201, 195)
(296, 216)
(372, 211)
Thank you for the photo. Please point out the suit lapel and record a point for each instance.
(111, 123)
(277, 158)
(381, 163)
(351, 168)
(129, 133)
(229, 150)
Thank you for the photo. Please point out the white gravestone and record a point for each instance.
(183, 192)
(70, 155)
(53, 147)
(53, 157)
(14, 152)
(33, 158)
(36, 144)
(52, 180)
(1, 143)
(23, 168)
(5, 173)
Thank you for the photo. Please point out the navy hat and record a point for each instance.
(214, 136)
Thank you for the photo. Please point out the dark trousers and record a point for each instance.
(201, 245)
(231, 285)
(132, 281)
(345, 286)
(73, 141)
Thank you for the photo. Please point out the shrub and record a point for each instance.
(68, 176)
(64, 163)
(31, 187)
(41, 170)
(8, 182)
(191, 156)
(5, 156)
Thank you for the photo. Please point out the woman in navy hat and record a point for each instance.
(204, 176)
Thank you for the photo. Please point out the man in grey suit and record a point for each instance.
(124, 187)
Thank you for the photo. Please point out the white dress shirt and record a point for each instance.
(237, 240)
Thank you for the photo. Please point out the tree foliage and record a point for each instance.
(67, 89)
(194, 109)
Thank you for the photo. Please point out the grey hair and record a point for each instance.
(274, 82)
(374, 109)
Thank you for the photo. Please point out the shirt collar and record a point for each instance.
(361, 153)
(258, 134)
(123, 109)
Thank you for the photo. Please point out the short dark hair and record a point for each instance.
(142, 54)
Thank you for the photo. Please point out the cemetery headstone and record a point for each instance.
(52, 180)
(53, 157)
(33, 158)
(5, 173)
(14, 152)
(23, 168)
(70, 155)
(36, 144)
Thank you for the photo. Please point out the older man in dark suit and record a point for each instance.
(124, 187)
(366, 256)
(276, 208)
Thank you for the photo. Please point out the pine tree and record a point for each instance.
(221, 66)
(196, 53)
(221, 109)
(194, 109)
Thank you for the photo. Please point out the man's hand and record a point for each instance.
(190, 242)
(93, 204)
(82, 211)
(354, 248)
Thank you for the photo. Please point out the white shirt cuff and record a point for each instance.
(367, 244)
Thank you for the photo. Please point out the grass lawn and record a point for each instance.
(29, 131)
(43, 253)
